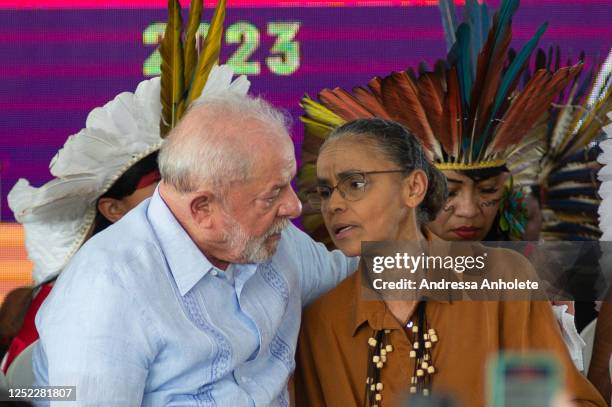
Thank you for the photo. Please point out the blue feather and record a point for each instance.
(504, 18)
(485, 21)
(508, 79)
(465, 70)
(449, 21)
(515, 68)
(471, 16)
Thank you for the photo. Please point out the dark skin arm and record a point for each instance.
(599, 373)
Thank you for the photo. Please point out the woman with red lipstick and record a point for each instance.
(472, 209)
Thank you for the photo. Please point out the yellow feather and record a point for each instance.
(172, 85)
(191, 41)
(210, 53)
(316, 129)
(565, 123)
(597, 118)
(316, 112)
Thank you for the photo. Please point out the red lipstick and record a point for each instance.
(467, 232)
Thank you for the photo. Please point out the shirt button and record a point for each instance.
(214, 273)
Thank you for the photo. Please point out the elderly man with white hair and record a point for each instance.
(195, 296)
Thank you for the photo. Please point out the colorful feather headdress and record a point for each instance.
(467, 112)
(568, 171)
(58, 216)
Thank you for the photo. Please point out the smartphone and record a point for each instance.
(523, 380)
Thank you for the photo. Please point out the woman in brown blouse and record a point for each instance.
(340, 360)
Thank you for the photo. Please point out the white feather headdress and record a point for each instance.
(605, 189)
(58, 215)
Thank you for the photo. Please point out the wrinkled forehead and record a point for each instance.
(273, 157)
(340, 156)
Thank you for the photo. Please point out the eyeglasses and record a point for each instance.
(352, 188)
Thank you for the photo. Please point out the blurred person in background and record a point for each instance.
(101, 173)
(600, 369)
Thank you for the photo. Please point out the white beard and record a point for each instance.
(252, 249)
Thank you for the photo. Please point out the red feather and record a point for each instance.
(488, 77)
(375, 86)
(530, 105)
(432, 100)
(370, 102)
(401, 100)
(452, 114)
(343, 104)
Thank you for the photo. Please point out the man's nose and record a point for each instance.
(291, 206)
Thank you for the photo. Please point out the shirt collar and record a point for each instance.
(376, 313)
(187, 263)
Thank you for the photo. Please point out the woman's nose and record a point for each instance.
(466, 206)
(336, 202)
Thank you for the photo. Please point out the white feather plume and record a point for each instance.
(605, 190)
(58, 215)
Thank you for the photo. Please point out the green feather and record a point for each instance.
(472, 16)
(465, 70)
(504, 17)
(485, 22)
(507, 82)
(515, 68)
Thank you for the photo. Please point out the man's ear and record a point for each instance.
(202, 207)
(414, 188)
(112, 209)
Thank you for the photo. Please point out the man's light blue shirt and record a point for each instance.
(140, 316)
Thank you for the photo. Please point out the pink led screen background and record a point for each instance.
(62, 58)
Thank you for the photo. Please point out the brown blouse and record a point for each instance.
(333, 348)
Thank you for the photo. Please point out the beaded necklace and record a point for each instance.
(422, 337)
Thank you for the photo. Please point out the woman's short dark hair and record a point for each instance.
(401, 147)
(125, 186)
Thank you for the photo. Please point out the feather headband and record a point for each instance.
(467, 111)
